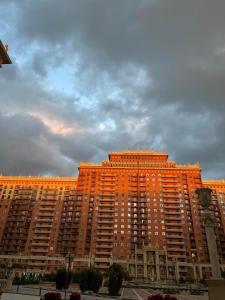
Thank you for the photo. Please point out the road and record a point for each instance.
(126, 294)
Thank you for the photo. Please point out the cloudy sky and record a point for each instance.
(90, 76)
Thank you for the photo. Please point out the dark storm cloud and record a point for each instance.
(148, 74)
(26, 149)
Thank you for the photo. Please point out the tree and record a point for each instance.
(115, 279)
(96, 281)
(63, 278)
(84, 280)
(90, 280)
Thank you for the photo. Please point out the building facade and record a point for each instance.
(4, 57)
(137, 208)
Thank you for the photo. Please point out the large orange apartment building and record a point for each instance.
(137, 208)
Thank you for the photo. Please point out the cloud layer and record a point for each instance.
(90, 76)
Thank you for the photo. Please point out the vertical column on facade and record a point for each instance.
(157, 265)
(167, 272)
(200, 272)
(205, 199)
(213, 253)
(177, 271)
(145, 264)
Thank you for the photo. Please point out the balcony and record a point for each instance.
(41, 237)
(102, 195)
(107, 190)
(166, 195)
(105, 204)
(49, 203)
(103, 253)
(44, 244)
(171, 206)
(105, 200)
(105, 221)
(174, 236)
(103, 246)
(104, 240)
(171, 201)
(104, 233)
(171, 249)
(107, 215)
(42, 232)
(172, 212)
(43, 220)
(105, 210)
(175, 243)
(40, 250)
(174, 229)
(105, 227)
(43, 225)
(50, 209)
(173, 224)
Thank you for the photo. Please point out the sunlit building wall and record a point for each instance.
(111, 212)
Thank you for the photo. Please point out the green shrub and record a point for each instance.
(89, 280)
(223, 274)
(115, 279)
(63, 278)
(96, 281)
(75, 277)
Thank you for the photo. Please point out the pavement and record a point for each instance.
(126, 294)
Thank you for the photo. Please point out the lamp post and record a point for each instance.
(69, 259)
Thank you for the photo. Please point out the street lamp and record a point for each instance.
(69, 259)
